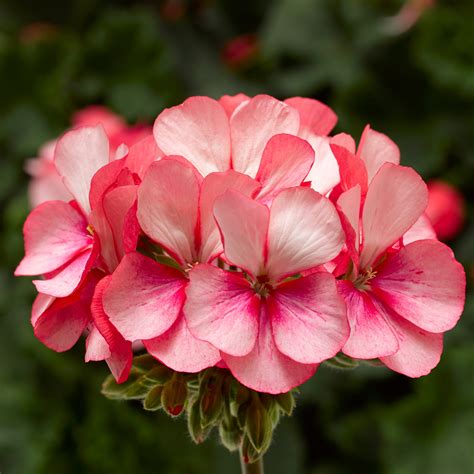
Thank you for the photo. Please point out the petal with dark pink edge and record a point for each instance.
(265, 368)
(371, 336)
(60, 326)
(120, 355)
(142, 155)
(349, 204)
(304, 232)
(179, 350)
(243, 223)
(419, 351)
(422, 229)
(79, 155)
(253, 124)
(424, 284)
(213, 186)
(231, 102)
(198, 129)
(324, 174)
(96, 346)
(55, 232)
(40, 305)
(286, 162)
(344, 140)
(308, 318)
(396, 198)
(315, 117)
(351, 169)
(375, 149)
(64, 281)
(168, 207)
(143, 298)
(222, 308)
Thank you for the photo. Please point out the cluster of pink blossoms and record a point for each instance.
(241, 234)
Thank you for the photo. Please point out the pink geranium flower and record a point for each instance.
(402, 293)
(272, 329)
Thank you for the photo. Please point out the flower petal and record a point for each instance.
(178, 349)
(370, 334)
(286, 162)
(142, 155)
(265, 368)
(315, 117)
(168, 207)
(243, 224)
(55, 232)
(79, 155)
(424, 284)
(144, 298)
(308, 318)
(253, 124)
(375, 149)
(396, 198)
(231, 102)
(214, 185)
(221, 308)
(198, 129)
(422, 229)
(304, 232)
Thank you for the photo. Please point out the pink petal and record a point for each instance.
(351, 169)
(64, 281)
(349, 203)
(79, 154)
(308, 318)
(265, 368)
(422, 229)
(231, 102)
(243, 224)
(55, 232)
(324, 174)
(198, 129)
(119, 358)
(315, 117)
(396, 198)
(424, 284)
(253, 124)
(371, 336)
(40, 305)
(144, 298)
(168, 207)
(178, 349)
(286, 161)
(419, 352)
(47, 188)
(214, 185)
(142, 155)
(96, 346)
(344, 140)
(375, 149)
(304, 232)
(221, 308)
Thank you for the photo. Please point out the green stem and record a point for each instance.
(251, 468)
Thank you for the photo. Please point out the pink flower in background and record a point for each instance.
(240, 51)
(46, 184)
(446, 209)
(272, 329)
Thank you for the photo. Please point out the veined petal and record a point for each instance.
(304, 232)
(315, 117)
(142, 155)
(253, 124)
(371, 336)
(324, 174)
(213, 186)
(179, 350)
(168, 207)
(243, 223)
(198, 129)
(79, 155)
(396, 198)
(221, 308)
(265, 368)
(55, 232)
(424, 284)
(375, 149)
(422, 229)
(143, 298)
(286, 162)
(308, 318)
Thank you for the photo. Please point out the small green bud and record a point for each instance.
(174, 395)
(152, 401)
(211, 399)
(341, 361)
(159, 375)
(195, 426)
(286, 402)
(230, 433)
(248, 452)
(144, 363)
(130, 390)
(238, 395)
(258, 424)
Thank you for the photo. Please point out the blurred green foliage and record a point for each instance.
(138, 57)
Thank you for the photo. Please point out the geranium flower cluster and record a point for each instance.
(242, 235)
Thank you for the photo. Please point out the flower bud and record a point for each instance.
(258, 424)
(286, 402)
(230, 433)
(341, 361)
(152, 401)
(248, 452)
(211, 398)
(159, 375)
(174, 395)
(195, 426)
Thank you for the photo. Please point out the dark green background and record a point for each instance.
(417, 87)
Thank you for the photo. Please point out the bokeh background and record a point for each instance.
(407, 68)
